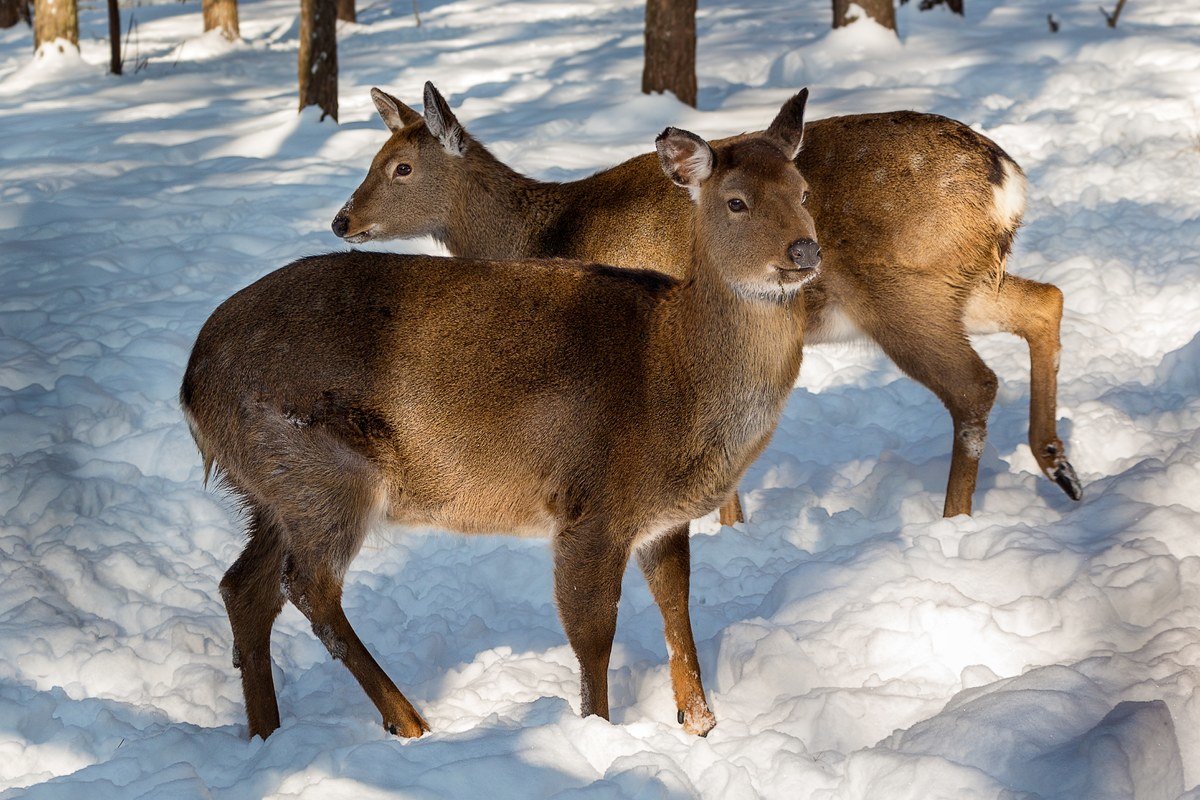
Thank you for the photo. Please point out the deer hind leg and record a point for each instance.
(328, 511)
(931, 346)
(588, 565)
(316, 589)
(253, 600)
(1033, 311)
(666, 563)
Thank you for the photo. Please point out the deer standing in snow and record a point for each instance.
(603, 407)
(915, 213)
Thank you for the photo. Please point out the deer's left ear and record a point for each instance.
(442, 123)
(788, 126)
(686, 158)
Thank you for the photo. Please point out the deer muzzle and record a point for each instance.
(805, 254)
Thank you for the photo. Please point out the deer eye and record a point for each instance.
(804, 199)
(403, 169)
(737, 205)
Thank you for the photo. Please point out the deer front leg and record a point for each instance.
(666, 563)
(588, 563)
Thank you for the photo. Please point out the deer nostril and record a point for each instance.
(341, 224)
(804, 253)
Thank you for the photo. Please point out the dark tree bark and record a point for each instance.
(671, 49)
(10, 13)
(114, 37)
(954, 5)
(882, 11)
(345, 11)
(55, 19)
(318, 56)
(221, 14)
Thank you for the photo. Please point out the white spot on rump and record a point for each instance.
(1009, 197)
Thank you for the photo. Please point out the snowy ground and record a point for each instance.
(855, 645)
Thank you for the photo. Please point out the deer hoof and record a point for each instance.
(1064, 475)
(697, 719)
(409, 729)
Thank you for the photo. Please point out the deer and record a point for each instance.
(916, 215)
(602, 407)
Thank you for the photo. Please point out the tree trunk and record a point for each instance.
(954, 5)
(671, 49)
(221, 14)
(55, 19)
(345, 11)
(318, 56)
(114, 37)
(10, 13)
(882, 11)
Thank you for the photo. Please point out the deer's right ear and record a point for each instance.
(685, 157)
(395, 114)
(442, 123)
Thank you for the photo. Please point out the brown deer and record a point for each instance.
(605, 407)
(915, 213)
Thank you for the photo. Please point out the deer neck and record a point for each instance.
(738, 357)
(499, 212)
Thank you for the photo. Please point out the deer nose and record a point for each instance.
(341, 224)
(805, 253)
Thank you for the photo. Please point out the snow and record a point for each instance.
(854, 644)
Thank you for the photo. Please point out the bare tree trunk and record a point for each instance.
(671, 49)
(882, 11)
(10, 13)
(318, 56)
(55, 19)
(114, 37)
(954, 5)
(221, 14)
(346, 12)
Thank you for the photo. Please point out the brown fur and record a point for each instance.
(915, 214)
(604, 407)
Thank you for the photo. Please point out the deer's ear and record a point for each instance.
(686, 158)
(395, 114)
(788, 126)
(442, 123)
